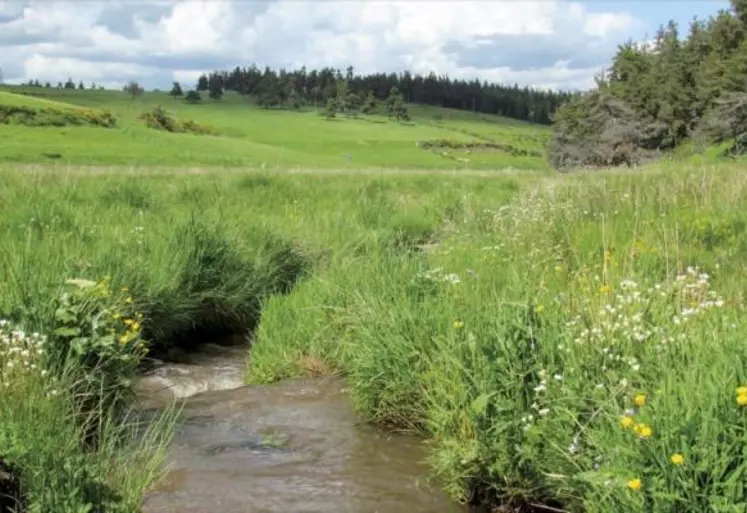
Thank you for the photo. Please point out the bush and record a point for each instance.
(30, 116)
(45, 464)
(98, 333)
(193, 97)
(160, 119)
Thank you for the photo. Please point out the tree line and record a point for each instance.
(283, 88)
(69, 84)
(659, 95)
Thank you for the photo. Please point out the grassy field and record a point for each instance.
(569, 341)
(252, 137)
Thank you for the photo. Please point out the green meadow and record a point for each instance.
(560, 342)
(249, 136)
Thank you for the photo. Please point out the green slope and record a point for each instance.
(251, 136)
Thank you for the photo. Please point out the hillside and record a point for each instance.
(247, 135)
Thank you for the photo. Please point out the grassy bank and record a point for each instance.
(572, 343)
(249, 136)
(569, 341)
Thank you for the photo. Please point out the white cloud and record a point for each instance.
(157, 42)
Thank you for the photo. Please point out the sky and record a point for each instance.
(547, 44)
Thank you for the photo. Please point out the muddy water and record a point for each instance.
(293, 447)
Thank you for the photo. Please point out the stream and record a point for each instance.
(292, 447)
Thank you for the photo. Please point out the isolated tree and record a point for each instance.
(396, 105)
(193, 96)
(81, 86)
(202, 83)
(369, 104)
(176, 90)
(69, 84)
(134, 89)
(47, 85)
(353, 103)
(331, 111)
(341, 98)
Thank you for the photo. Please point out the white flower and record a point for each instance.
(544, 411)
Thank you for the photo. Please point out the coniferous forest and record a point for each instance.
(655, 96)
(283, 88)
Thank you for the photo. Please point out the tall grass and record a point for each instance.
(569, 342)
(578, 347)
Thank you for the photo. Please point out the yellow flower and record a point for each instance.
(742, 399)
(558, 268)
(634, 484)
(128, 322)
(639, 400)
(604, 289)
(135, 326)
(539, 308)
(677, 459)
(458, 325)
(742, 390)
(643, 430)
(626, 422)
(123, 339)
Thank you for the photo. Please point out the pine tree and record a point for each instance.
(396, 105)
(331, 111)
(81, 86)
(202, 83)
(215, 88)
(369, 104)
(176, 90)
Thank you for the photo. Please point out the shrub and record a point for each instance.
(30, 116)
(160, 119)
(98, 333)
(45, 465)
(193, 97)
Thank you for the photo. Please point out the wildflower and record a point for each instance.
(626, 422)
(639, 400)
(544, 411)
(742, 390)
(742, 399)
(539, 308)
(135, 326)
(644, 431)
(458, 325)
(604, 289)
(677, 459)
(634, 484)
(128, 322)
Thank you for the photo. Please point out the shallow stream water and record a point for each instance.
(293, 447)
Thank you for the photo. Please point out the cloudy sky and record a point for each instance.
(547, 43)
